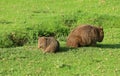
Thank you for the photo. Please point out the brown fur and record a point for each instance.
(85, 35)
(48, 44)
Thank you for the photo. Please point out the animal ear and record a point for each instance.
(45, 38)
(39, 37)
(100, 27)
(42, 38)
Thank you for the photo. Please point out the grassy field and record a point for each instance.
(49, 17)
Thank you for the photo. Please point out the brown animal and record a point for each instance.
(48, 44)
(85, 35)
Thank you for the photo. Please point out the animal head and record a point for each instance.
(42, 42)
(101, 34)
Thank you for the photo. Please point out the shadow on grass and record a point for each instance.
(109, 46)
(65, 49)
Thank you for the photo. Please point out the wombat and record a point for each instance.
(85, 35)
(48, 44)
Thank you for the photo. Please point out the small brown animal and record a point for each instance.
(85, 35)
(48, 44)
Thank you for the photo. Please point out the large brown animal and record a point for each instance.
(85, 35)
(48, 44)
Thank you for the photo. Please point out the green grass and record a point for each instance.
(46, 17)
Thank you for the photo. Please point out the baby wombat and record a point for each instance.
(48, 44)
(85, 35)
